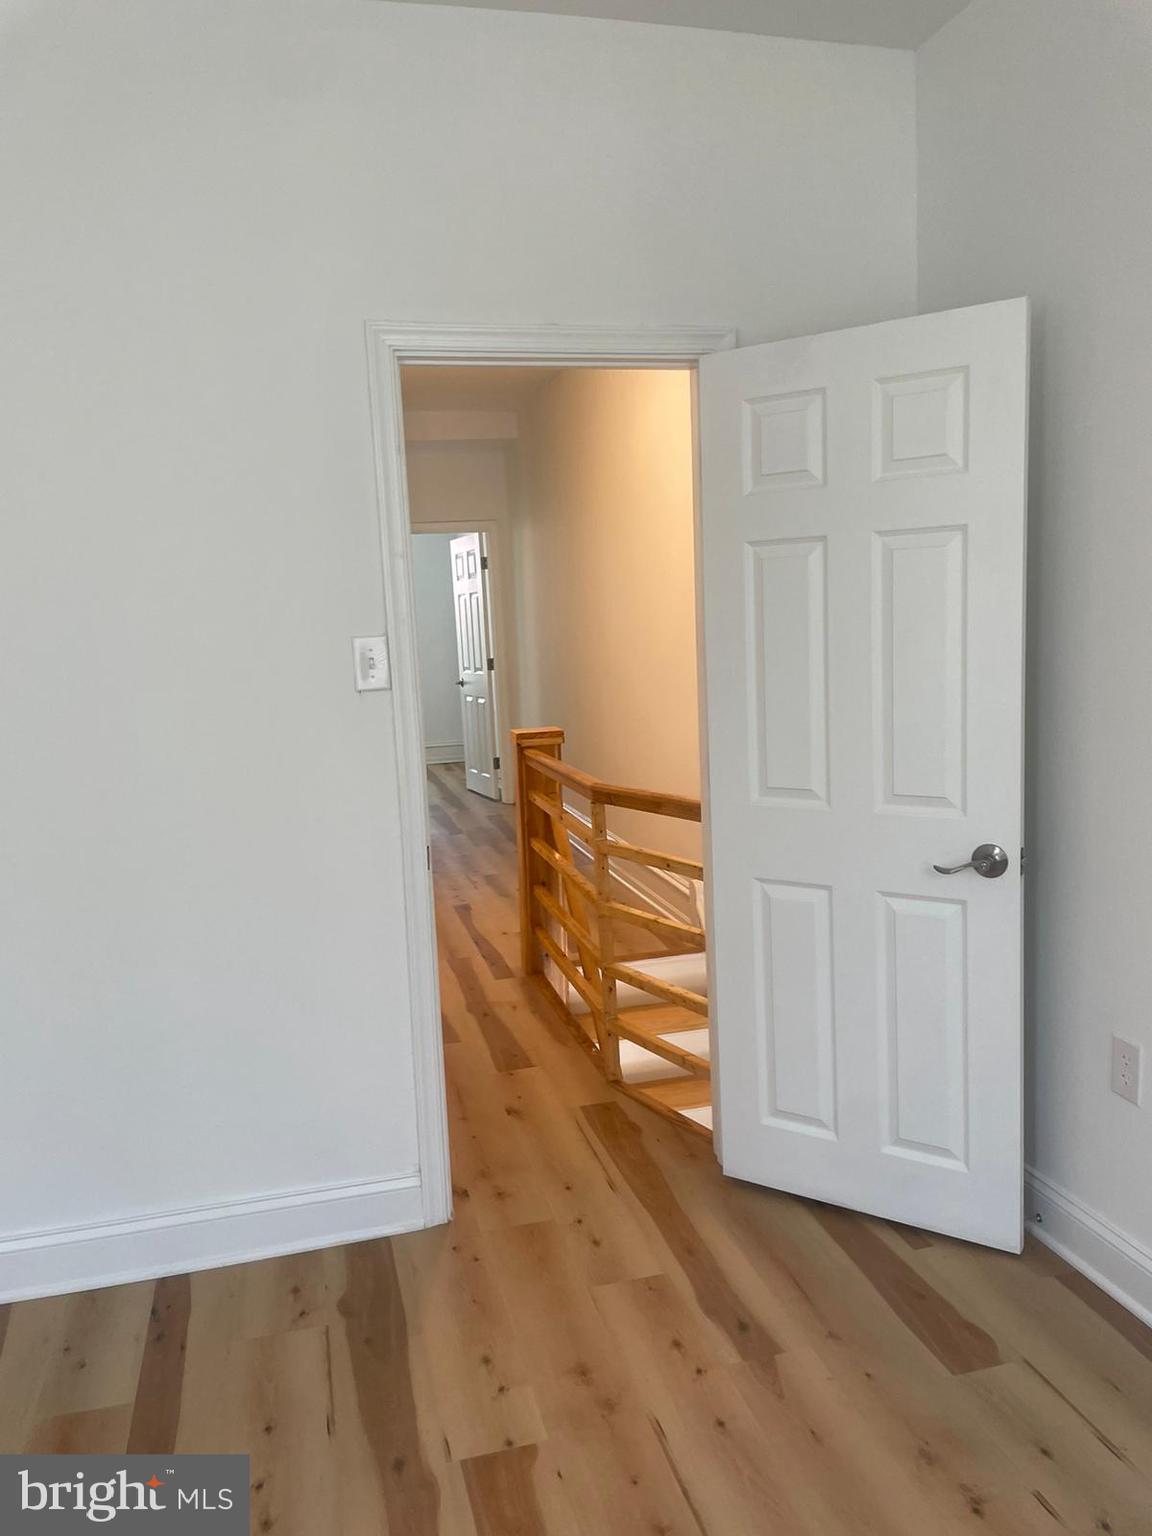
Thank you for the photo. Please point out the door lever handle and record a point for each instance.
(988, 860)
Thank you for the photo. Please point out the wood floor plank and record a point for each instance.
(444, 822)
(1138, 1334)
(466, 1348)
(214, 1407)
(294, 1491)
(1084, 1359)
(373, 1311)
(496, 1180)
(600, 1441)
(160, 1386)
(1060, 1454)
(745, 1462)
(96, 1363)
(92, 1432)
(445, 790)
(508, 1054)
(910, 1235)
(485, 948)
(624, 1144)
(298, 1290)
(914, 1453)
(502, 1493)
(609, 1243)
(955, 1340)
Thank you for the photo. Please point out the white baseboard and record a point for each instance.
(52, 1261)
(452, 753)
(1109, 1258)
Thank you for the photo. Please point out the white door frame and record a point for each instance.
(389, 346)
(503, 628)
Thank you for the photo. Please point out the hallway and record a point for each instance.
(610, 1338)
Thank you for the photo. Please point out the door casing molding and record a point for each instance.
(390, 344)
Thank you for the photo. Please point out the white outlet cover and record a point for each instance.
(1126, 1069)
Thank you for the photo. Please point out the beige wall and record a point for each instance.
(457, 481)
(606, 579)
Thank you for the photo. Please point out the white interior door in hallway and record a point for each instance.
(863, 520)
(474, 649)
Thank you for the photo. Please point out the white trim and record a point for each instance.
(52, 1260)
(1110, 1258)
(388, 345)
(544, 345)
(451, 752)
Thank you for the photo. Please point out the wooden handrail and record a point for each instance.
(553, 768)
(651, 800)
(600, 792)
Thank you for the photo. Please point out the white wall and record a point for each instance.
(436, 647)
(607, 586)
(1035, 176)
(202, 978)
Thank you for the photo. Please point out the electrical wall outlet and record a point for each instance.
(1126, 1069)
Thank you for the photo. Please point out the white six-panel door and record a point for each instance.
(474, 654)
(863, 509)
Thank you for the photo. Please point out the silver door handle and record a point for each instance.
(988, 860)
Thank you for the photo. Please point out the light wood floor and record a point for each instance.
(610, 1337)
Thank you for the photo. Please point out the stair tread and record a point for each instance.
(677, 1092)
(659, 1018)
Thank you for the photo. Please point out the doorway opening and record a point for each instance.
(554, 582)
(861, 537)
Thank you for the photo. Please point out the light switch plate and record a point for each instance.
(373, 669)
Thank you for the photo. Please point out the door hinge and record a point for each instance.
(495, 762)
(491, 663)
(483, 562)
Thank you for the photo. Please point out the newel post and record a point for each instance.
(531, 822)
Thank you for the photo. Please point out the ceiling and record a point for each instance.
(887, 23)
(452, 387)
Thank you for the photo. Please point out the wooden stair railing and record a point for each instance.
(574, 919)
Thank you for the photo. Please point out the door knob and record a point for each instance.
(988, 860)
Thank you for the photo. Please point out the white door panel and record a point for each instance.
(474, 648)
(863, 498)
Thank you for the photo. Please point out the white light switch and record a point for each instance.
(370, 653)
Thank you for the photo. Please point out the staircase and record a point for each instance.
(644, 1016)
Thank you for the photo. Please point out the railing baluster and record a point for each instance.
(531, 822)
(607, 940)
